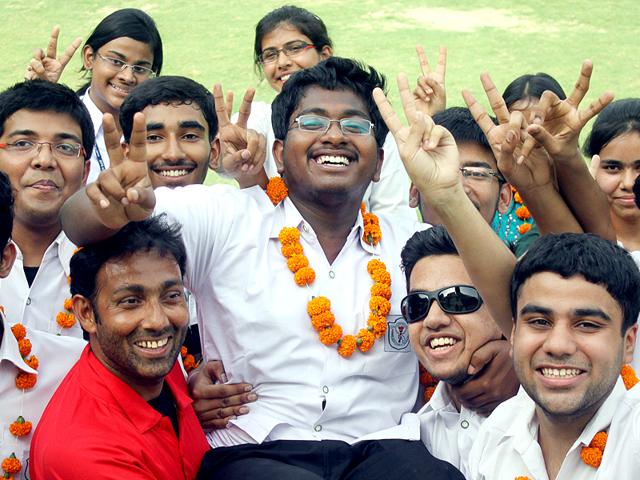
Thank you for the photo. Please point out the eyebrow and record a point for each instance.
(477, 163)
(592, 312)
(139, 289)
(57, 136)
(532, 308)
(124, 57)
(191, 125)
(611, 161)
(347, 113)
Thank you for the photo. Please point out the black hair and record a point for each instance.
(131, 23)
(617, 118)
(334, 73)
(6, 210)
(168, 89)
(309, 24)
(425, 243)
(153, 234)
(597, 260)
(42, 96)
(531, 86)
(463, 128)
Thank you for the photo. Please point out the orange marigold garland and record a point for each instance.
(11, 465)
(188, 360)
(276, 190)
(628, 377)
(319, 308)
(66, 319)
(429, 382)
(20, 427)
(522, 212)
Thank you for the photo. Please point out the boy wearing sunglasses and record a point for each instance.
(448, 322)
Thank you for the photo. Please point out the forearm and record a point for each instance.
(80, 222)
(247, 181)
(549, 210)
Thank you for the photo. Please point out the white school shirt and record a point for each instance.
(635, 362)
(56, 356)
(99, 156)
(389, 195)
(36, 306)
(507, 443)
(254, 318)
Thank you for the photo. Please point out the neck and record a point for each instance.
(454, 398)
(106, 108)
(34, 241)
(556, 435)
(331, 223)
(627, 232)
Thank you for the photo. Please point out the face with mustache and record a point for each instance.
(41, 182)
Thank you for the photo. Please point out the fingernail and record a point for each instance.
(224, 378)
(125, 201)
(248, 388)
(510, 136)
(252, 397)
(243, 410)
(471, 370)
(245, 155)
(104, 203)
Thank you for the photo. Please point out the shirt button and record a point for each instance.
(28, 300)
(325, 389)
(332, 274)
(464, 424)
(305, 228)
(318, 428)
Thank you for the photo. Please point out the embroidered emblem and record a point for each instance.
(397, 337)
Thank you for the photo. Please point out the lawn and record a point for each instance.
(211, 41)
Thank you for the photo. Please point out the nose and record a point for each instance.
(559, 341)
(334, 133)
(173, 150)
(283, 60)
(43, 157)
(155, 316)
(628, 178)
(436, 319)
(126, 74)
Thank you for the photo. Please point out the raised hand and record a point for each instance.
(123, 193)
(428, 151)
(430, 93)
(49, 66)
(243, 149)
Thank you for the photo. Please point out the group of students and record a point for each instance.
(313, 291)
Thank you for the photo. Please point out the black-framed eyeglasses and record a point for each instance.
(453, 299)
(481, 174)
(320, 125)
(59, 150)
(120, 65)
(291, 49)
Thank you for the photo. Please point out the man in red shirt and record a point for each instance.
(123, 409)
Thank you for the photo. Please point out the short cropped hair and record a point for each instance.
(334, 73)
(597, 260)
(42, 96)
(6, 210)
(463, 128)
(168, 89)
(617, 118)
(425, 243)
(153, 234)
(531, 86)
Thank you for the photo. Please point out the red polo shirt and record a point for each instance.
(98, 427)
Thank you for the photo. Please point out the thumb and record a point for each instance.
(214, 369)
(481, 357)
(542, 136)
(595, 164)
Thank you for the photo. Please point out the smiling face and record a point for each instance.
(178, 146)
(567, 345)
(141, 318)
(41, 183)
(110, 85)
(279, 71)
(445, 342)
(314, 164)
(618, 170)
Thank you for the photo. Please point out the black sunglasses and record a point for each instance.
(453, 299)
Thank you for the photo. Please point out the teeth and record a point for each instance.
(151, 344)
(442, 342)
(120, 89)
(560, 372)
(284, 78)
(332, 160)
(173, 173)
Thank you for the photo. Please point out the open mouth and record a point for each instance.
(285, 77)
(559, 372)
(152, 344)
(333, 160)
(119, 89)
(442, 343)
(175, 172)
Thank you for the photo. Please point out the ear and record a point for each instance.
(87, 169)
(8, 257)
(376, 176)
(87, 57)
(504, 200)
(214, 155)
(630, 338)
(326, 52)
(278, 155)
(414, 196)
(83, 310)
(513, 334)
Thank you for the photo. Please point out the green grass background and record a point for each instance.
(212, 41)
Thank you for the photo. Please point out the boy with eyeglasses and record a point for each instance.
(45, 134)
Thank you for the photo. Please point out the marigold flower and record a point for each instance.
(523, 212)
(25, 347)
(331, 335)
(628, 377)
(318, 305)
(370, 219)
(363, 208)
(20, 427)
(183, 351)
(291, 249)
(599, 440)
(68, 304)
(374, 265)
(276, 190)
(428, 393)
(289, 235)
(591, 456)
(69, 279)
(381, 276)
(372, 234)
(365, 340)
(426, 378)
(65, 320)
(32, 361)
(296, 262)
(347, 346)
(19, 331)
(304, 276)
(25, 381)
(381, 290)
(378, 325)
(524, 228)
(380, 306)
(189, 362)
(517, 198)
(323, 320)
(523, 478)
(11, 464)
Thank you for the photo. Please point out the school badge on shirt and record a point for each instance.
(397, 336)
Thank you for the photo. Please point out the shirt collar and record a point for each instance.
(9, 350)
(602, 419)
(94, 112)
